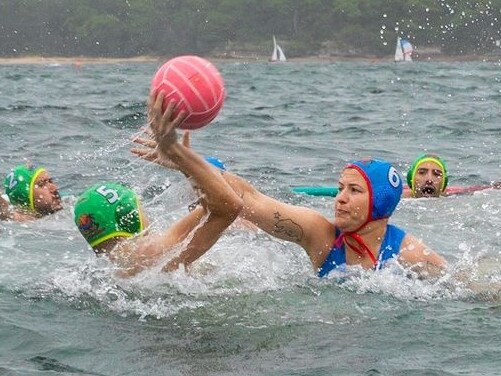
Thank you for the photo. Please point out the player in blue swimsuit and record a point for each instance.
(369, 192)
(385, 188)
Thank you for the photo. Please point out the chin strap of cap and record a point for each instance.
(358, 245)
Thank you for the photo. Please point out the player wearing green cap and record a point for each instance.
(106, 211)
(31, 192)
(111, 219)
(427, 177)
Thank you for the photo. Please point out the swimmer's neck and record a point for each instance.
(372, 234)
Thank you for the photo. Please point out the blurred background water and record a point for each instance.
(253, 305)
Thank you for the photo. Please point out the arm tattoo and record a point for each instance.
(287, 227)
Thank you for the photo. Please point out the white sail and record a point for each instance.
(278, 53)
(281, 55)
(399, 54)
(274, 55)
(403, 50)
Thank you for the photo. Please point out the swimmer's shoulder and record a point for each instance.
(414, 251)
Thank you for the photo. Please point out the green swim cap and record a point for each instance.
(427, 158)
(19, 185)
(108, 210)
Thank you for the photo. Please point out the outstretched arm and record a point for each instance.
(258, 207)
(150, 152)
(218, 194)
(300, 225)
(200, 229)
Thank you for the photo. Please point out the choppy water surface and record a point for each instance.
(253, 305)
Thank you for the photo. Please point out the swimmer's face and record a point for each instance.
(46, 195)
(428, 180)
(352, 202)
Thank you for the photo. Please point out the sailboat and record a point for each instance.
(403, 51)
(277, 55)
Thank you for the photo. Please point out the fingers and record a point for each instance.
(153, 156)
(147, 131)
(139, 152)
(155, 111)
(152, 96)
(180, 118)
(145, 142)
(186, 139)
(159, 100)
(145, 154)
(170, 109)
(163, 124)
(150, 101)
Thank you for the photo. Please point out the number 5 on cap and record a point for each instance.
(106, 192)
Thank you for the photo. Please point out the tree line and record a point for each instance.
(129, 28)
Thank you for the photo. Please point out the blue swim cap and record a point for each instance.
(385, 186)
(216, 162)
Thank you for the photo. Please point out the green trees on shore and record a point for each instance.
(169, 27)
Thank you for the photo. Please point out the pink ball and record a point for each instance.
(195, 85)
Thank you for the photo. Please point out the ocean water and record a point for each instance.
(252, 305)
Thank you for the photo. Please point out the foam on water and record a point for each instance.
(242, 262)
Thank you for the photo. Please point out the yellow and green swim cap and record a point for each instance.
(20, 183)
(108, 210)
(427, 158)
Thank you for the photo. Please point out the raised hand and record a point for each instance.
(150, 153)
(162, 125)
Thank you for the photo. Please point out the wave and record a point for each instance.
(20, 108)
(129, 121)
(248, 267)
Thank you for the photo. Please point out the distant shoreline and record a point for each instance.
(83, 60)
(76, 60)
